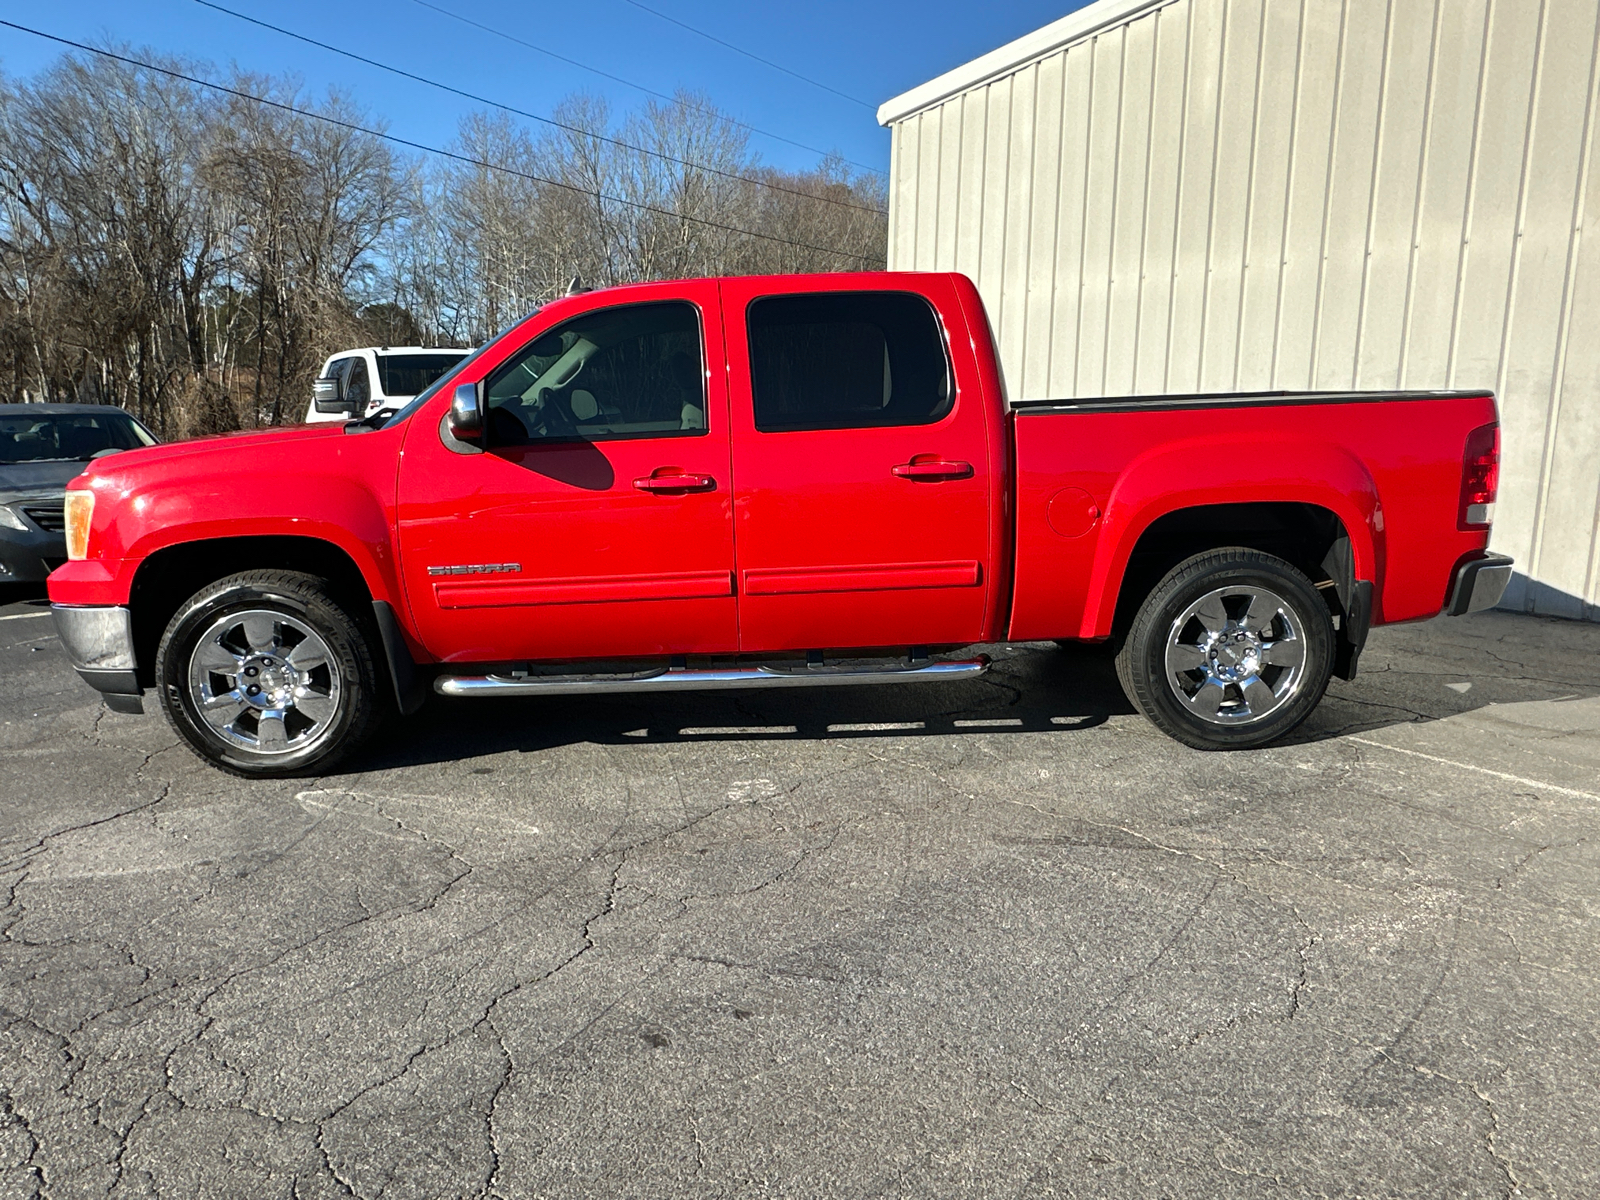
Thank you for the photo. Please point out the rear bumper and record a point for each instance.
(1479, 584)
(99, 642)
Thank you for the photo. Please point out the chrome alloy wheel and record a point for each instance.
(1236, 655)
(264, 681)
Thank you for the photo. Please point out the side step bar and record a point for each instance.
(670, 679)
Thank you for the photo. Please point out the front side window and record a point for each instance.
(629, 372)
(846, 360)
(358, 385)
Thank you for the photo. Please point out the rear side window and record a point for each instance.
(628, 372)
(847, 360)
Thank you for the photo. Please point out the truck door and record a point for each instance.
(862, 486)
(597, 522)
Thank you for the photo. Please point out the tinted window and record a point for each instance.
(413, 374)
(846, 360)
(624, 372)
(68, 436)
(358, 385)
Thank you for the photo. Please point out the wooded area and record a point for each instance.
(194, 256)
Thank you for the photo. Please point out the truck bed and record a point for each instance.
(1386, 464)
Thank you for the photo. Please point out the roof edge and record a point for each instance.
(1089, 20)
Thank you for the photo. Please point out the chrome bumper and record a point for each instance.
(1479, 584)
(99, 643)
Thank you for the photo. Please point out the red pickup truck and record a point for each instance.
(766, 482)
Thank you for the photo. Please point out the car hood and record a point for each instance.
(18, 480)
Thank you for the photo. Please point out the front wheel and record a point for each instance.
(1231, 650)
(264, 674)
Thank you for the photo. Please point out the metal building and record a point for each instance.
(1217, 195)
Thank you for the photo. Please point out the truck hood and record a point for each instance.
(130, 465)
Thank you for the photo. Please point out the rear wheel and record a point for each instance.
(1231, 650)
(264, 674)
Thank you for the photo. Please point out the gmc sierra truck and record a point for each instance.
(766, 482)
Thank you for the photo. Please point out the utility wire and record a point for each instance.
(400, 141)
(766, 62)
(572, 62)
(599, 137)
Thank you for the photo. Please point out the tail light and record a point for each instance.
(79, 509)
(1480, 478)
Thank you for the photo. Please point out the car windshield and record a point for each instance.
(68, 437)
(411, 374)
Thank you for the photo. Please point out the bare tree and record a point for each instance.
(195, 259)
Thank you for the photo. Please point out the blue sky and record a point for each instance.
(870, 51)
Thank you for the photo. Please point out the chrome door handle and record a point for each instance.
(932, 470)
(675, 481)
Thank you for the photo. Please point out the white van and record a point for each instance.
(379, 377)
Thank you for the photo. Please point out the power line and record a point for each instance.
(400, 141)
(766, 62)
(445, 87)
(572, 62)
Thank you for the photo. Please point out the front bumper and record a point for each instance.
(1479, 584)
(99, 642)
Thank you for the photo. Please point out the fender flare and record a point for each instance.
(1170, 478)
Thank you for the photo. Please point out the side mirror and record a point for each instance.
(327, 394)
(466, 413)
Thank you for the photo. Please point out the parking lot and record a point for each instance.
(988, 939)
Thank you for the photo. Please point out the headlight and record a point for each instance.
(80, 507)
(10, 519)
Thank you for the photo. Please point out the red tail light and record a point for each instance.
(1480, 478)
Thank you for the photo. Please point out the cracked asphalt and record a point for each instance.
(988, 939)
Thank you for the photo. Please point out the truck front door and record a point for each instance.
(862, 480)
(597, 521)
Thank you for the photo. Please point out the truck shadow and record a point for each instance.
(1030, 689)
(1411, 674)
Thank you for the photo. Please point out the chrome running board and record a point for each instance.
(670, 679)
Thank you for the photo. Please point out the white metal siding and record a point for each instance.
(1252, 194)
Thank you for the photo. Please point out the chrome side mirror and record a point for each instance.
(327, 394)
(466, 413)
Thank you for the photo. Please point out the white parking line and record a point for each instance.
(22, 616)
(876, 726)
(1450, 762)
(727, 730)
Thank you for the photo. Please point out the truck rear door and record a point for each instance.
(862, 484)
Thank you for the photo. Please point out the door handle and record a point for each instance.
(932, 470)
(675, 481)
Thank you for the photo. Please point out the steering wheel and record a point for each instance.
(550, 417)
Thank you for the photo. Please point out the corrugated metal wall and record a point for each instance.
(1254, 194)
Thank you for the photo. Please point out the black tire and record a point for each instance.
(341, 699)
(1302, 626)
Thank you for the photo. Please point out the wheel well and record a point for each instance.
(1312, 538)
(169, 577)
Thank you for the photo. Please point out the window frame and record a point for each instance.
(512, 360)
(941, 333)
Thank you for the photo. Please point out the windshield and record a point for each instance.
(409, 374)
(68, 437)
